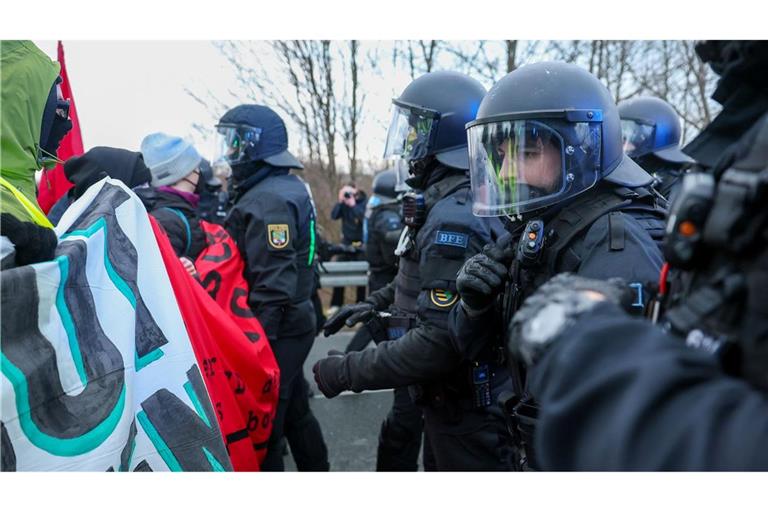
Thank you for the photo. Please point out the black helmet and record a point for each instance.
(253, 133)
(384, 184)
(651, 125)
(429, 118)
(544, 133)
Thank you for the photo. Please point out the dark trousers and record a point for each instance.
(337, 299)
(475, 441)
(303, 433)
(400, 436)
(294, 418)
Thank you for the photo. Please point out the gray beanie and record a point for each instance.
(169, 158)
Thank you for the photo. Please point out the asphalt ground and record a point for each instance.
(351, 421)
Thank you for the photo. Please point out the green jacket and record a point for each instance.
(26, 77)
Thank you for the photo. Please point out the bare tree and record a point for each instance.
(352, 111)
(489, 60)
(323, 97)
(421, 55)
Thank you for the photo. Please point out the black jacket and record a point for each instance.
(185, 234)
(595, 253)
(425, 352)
(384, 228)
(351, 220)
(273, 223)
(618, 394)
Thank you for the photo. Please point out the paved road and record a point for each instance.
(351, 421)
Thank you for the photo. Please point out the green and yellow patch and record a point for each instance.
(443, 298)
(278, 235)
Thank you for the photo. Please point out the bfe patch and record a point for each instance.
(278, 235)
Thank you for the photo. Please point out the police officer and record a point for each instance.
(213, 199)
(551, 164)
(651, 130)
(618, 393)
(273, 223)
(427, 131)
(381, 232)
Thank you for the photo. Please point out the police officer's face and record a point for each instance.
(538, 165)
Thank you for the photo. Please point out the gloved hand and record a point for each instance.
(483, 275)
(555, 306)
(349, 315)
(33, 243)
(330, 376)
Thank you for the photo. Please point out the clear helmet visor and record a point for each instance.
(232, 142)
(518, 166)
(410, 134)
(637, 138)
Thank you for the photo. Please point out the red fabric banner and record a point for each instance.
(239, 369)
(54, 183)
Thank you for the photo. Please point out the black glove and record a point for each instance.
(483, 275)
(556, 305)
(349, 315)
(33, 243)
(330, 375)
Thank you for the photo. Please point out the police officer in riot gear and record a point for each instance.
(427, 131)
(551, 165)
(651, 130)
(273, 223)
(618, 393)
(381, 232)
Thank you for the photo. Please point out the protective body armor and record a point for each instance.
(718, 302)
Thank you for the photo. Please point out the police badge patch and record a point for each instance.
(443, 298)
(277, 235)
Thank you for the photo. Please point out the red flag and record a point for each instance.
(239, 370)
(54, 183)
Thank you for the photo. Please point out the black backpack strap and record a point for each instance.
(186, 227)
(616, 231)
(576, 218)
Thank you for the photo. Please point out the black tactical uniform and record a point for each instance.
(621, 394)
(273, 224)
(442, 233)
(551, 163)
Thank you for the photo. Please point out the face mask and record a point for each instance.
(55, 125)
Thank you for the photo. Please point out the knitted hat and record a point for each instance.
(169, 158)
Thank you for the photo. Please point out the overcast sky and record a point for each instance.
(125, 90)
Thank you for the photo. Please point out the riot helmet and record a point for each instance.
(651, 126)
(384, 184)
(428, 119)
(545, 133)
(252, 133)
